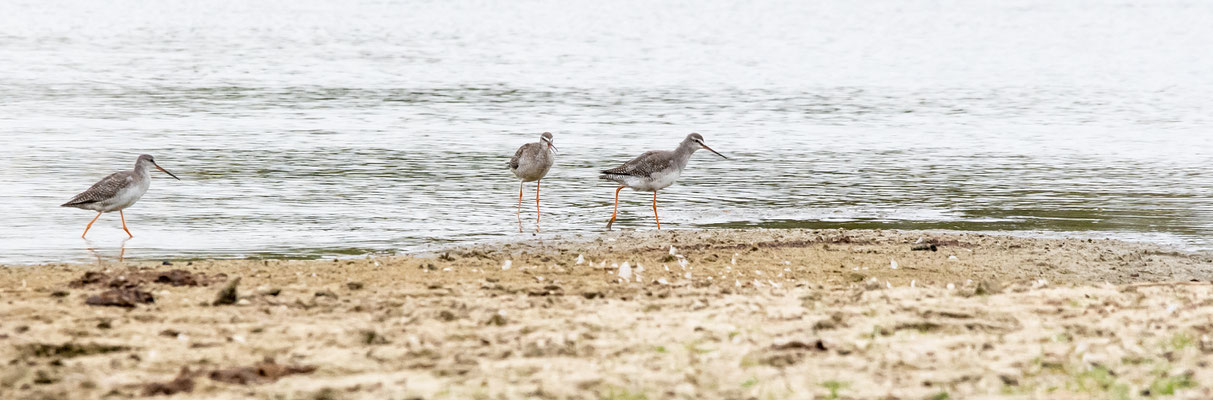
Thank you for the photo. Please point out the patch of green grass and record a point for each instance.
(1134, 360)
(693, 347)
(616, 393)
(749, 383)
(660, 349)
(1179, 341)
(834, 387)
(941, 396)
(1168, 385)
(1099, 379)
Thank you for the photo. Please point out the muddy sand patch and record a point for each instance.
(695, 314)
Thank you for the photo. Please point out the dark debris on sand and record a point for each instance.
(228, 294)
(184, 382)
(266, 371)
(125, 288)
(121, 297)
(134, 278)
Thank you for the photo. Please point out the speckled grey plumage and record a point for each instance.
(655, 164)
(532, 161)
(648, 163)
(117, 191)
(104, 189)
(653, 171)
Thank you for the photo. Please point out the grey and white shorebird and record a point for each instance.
(530, 164)
(654, 170)
(117, 191)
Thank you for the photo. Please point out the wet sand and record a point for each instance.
(724, 314)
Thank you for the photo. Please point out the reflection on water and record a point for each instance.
(103, 254)
(317, 129)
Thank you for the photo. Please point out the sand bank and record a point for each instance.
(724, 314)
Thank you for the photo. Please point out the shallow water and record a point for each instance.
(312, 128)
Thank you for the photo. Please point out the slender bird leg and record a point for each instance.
(612, 221)
(655, 210)
(521, 185)
(537, 204)
(128, 232)
(90, 225)
(122, 252)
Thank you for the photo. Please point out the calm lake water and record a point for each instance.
(323, 128)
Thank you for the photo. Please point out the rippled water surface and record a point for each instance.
(321, 128)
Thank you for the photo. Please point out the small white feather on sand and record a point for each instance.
(625, 271)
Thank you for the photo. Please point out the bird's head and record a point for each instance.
(546, 139)
(146, 162)
(696, 141)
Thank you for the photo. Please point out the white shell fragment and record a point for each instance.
(625, 271)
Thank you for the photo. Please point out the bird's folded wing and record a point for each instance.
(518, 155)
(642, 166)
(105, 188)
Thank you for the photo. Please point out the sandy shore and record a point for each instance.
(724, 314)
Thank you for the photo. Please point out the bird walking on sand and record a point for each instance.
(654, 170)
(531, 163)
(117, 191)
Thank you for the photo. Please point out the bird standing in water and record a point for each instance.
(531, 163)
(654, 170)
(117, 191)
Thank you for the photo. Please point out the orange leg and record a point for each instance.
(616, 213)
(521, 185)
(537, 205)
(128, 232)
(90, 225)
(655, 210)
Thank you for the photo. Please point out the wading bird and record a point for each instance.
(531, 163)
(653, 171)
(117, 191)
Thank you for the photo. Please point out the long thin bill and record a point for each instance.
(714, 151)
(166, 171)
